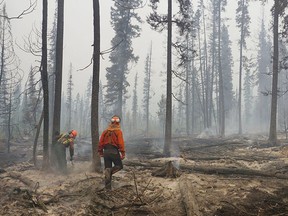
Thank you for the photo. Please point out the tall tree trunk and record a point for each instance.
(168, 125)
(221, 85)
(240, 74)
(44, 78)
(38, 128)
(58, 72)
(202, 100)
(9, 122)
(96, 163)
(187, 95)
(193, 93)
(148, 90)
(273, 118)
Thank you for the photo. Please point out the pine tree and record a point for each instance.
(162, 111)
(69, 98)
(51, 67)
(32, 106)
(135, 104)
(124, 20)
(227, 65)
(147, 90)
(264, 78)
(87, 108)
(9, 77)
(242, 21)
(248, 88)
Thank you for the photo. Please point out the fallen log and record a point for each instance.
(230, 171)
(188, 198)
(28, 182)
(210, 170)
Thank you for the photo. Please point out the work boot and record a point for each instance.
(107, 173)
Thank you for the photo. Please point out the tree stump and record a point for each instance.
(167, 171)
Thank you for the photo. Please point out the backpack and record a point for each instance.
(65, 139)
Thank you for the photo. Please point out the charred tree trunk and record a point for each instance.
(273, 117)
(96, 163)
(44, 78)
(168, 125)
(58, 73)
(36, 140)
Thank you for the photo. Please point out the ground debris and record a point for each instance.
(230, 176)
(137, 199)
(258, 203)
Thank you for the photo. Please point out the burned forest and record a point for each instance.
(207, 176)
(144, 108)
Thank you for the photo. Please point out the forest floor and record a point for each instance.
(235, 176)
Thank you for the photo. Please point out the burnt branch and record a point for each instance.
(28, 10)
(178, 100)
(102, 53)
(179, 76)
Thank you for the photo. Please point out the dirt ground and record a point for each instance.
(224, 177)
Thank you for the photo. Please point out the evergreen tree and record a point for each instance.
(242, 22)
(248, 88)
(279, 10)
(87, 108)
(180, 109)
(124, 20)
(9, 76)
(9, 62)
(227, 65)
(264, 78)
(32, 106)
(51, 67)
(135, 104)
(76, 113)
(69, 98)
(147, 90)
(161, 112)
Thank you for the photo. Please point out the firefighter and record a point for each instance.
(64, 141)
(111, 147)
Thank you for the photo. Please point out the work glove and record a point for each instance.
(122, 155)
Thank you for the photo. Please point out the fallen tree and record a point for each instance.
(188, 198)
(212, 170)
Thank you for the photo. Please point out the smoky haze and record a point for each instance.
(78, 41)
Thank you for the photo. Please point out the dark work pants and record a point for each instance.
(112, 155)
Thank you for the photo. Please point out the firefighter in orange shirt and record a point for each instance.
(112, 148)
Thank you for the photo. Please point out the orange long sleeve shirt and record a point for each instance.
(112, 135)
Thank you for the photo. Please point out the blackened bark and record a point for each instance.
(44, 78)
(273, 118)
(96, 163)
(168, 125)
(58, 73)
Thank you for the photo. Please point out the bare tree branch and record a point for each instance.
(30, 9)
(178, 99)
(101, 53)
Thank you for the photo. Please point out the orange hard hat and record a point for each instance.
(115, 119)
(74, 133)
